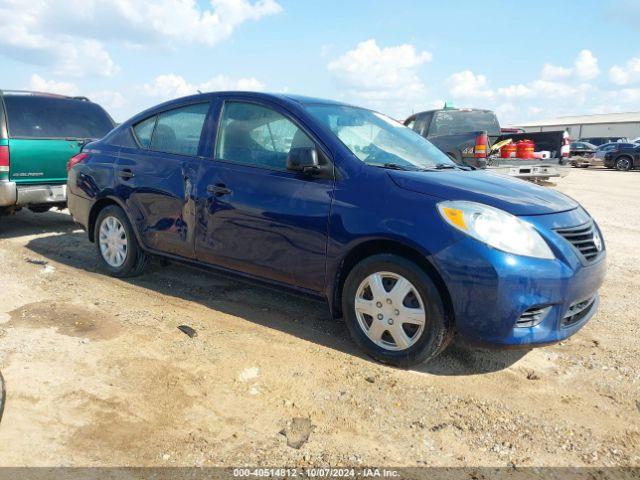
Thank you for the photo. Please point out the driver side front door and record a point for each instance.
(255, 216)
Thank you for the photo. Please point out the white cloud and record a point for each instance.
(182, 20)
(628, 73)
(553, 72)
(382, 77)
(71, 35)
(171, 85)
(113, 102)
(467, 84)
(585, 67)
(39, 84)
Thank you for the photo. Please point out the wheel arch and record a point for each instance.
(101, 204)
(379, 246)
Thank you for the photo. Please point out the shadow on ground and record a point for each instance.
(301, 317)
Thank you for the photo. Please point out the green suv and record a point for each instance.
(39, 133)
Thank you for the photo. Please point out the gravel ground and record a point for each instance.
(98, 374)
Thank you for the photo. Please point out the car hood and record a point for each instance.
(515, 196)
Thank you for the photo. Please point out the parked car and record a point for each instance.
(622, 156)
(597, 141)
(583, 154)
(39, 132)
(466, 135)
(346, 205)
(603, 149)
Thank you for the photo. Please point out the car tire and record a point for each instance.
(623, 164)
(418, 344)
(117, 245)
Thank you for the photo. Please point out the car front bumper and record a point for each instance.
(532, 171)
(490, 290)
(12, 194)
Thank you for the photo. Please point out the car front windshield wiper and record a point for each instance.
(395, 166)
(443, 166)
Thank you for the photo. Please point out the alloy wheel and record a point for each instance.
(390, 311)
(623, 164)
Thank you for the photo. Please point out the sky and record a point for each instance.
(525, 60)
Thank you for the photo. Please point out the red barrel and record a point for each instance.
(525, 149)
(508, 150)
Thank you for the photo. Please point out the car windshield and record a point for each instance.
(378, 140)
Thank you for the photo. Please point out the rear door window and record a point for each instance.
(55, 117)
(179, 130)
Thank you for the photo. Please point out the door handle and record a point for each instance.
(126, 174)
(219, 189)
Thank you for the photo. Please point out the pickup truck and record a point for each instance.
(466, 136)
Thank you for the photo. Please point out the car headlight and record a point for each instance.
(496, 228)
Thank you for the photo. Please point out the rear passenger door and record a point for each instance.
(157, 178)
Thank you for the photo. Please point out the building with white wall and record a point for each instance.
(600, 125)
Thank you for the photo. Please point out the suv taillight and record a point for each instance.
(4, 158)
(480, 150)
(76, 159)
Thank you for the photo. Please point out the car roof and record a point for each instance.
(483, 110)
(298, 100)
(30, 93)
(626, 144)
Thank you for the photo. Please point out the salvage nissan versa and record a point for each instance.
(344, 204)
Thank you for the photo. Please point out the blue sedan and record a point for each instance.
(345, 204)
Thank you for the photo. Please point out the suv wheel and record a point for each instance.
(117, 245)
(623, 164)
(394, 311)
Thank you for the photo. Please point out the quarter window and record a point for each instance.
(179, 130)
(144, 130)
(254, 135)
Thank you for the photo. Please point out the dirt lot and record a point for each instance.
(97, 372)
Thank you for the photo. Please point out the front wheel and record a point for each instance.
(394, 311)
(117, 245)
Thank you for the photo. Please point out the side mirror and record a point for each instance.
(304, 159)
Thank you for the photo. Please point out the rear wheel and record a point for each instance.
(117, 245)
(394, 311)
(623, 164)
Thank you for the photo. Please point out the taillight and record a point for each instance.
(76, 159)
(480, 150)
(4, 158)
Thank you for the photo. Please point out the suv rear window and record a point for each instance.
(54, 117)
(453, 122)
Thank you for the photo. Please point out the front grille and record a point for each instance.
(583, 239)
(532, 317)
(577, 312)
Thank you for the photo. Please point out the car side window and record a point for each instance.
(179, 130)
(254, 135)
(143, 131)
